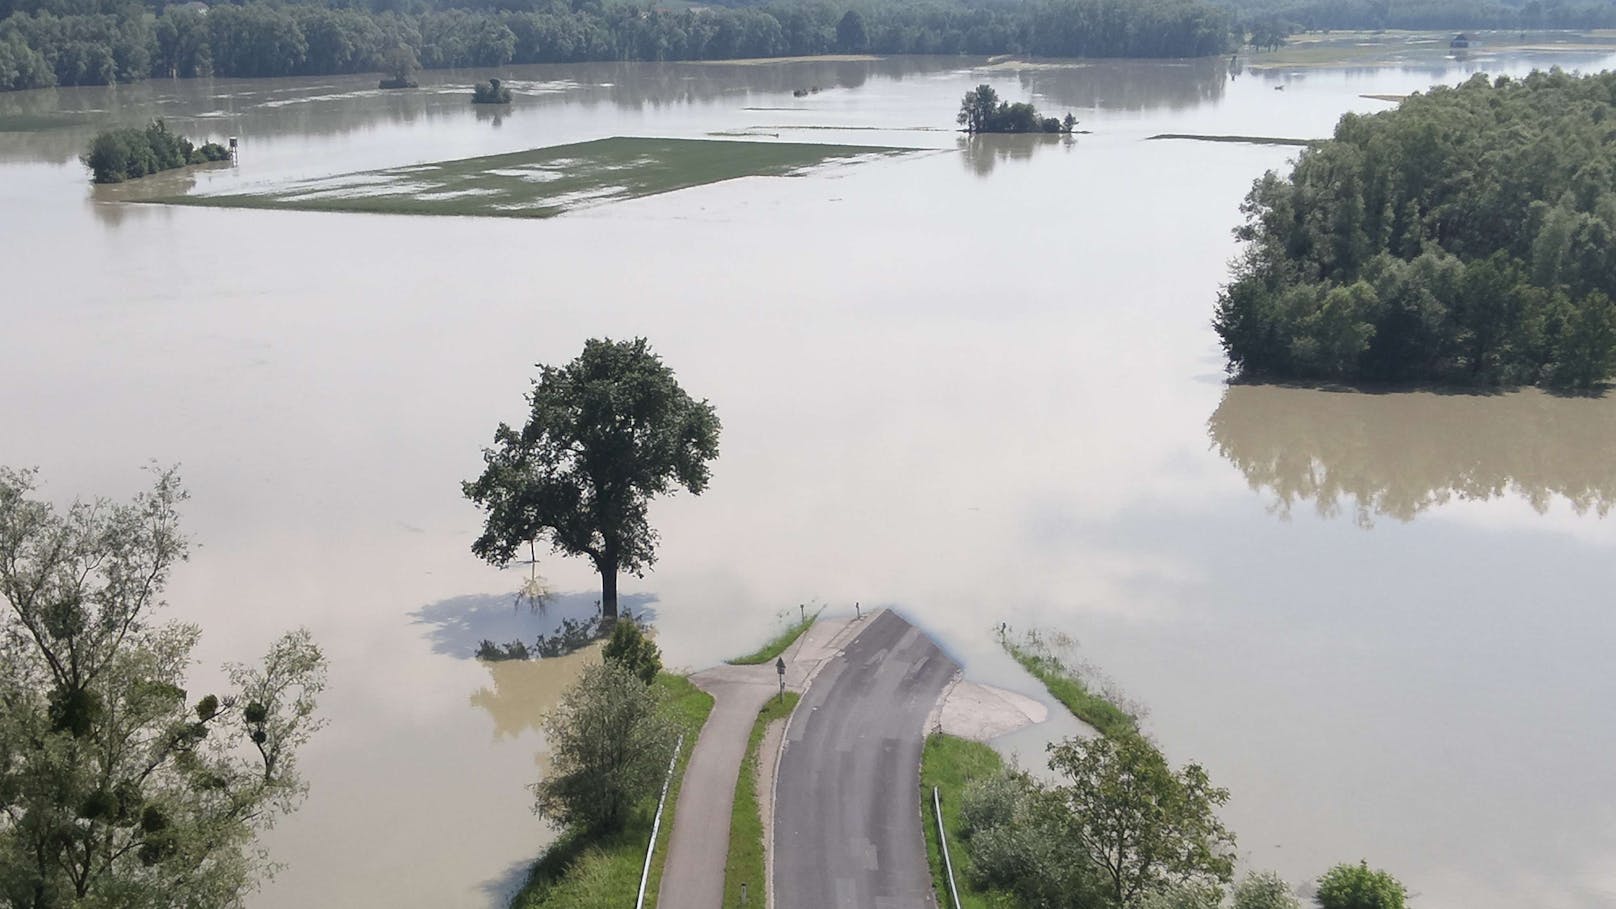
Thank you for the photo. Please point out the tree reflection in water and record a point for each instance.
(1399, 454)
(984, 151)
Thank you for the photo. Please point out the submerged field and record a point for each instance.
(1429, 48)
(543, 182)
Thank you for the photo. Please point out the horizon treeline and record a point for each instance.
(89, 42)
(1418, 15)
(1466, 237)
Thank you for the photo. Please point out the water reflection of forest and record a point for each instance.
(1130, 85)
(1397, 455)
(338, 105)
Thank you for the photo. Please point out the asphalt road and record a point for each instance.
(847, 800)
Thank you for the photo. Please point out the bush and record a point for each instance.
(1185, 896)
(1358, 887)
(632, 650)
(490, 92)
(1264, 890)
(117, 155)
(610, 740)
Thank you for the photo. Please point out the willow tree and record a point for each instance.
(118, 788)
(605, 434)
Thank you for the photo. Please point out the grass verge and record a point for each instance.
(579, 872)
(544, 182)
(777, 644)
(745, 862)
(1067, 686)
(951, 764)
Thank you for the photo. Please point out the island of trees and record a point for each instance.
(1465, 238)
(123, 154)
(99, 42)
(490, 92)
(982, 112)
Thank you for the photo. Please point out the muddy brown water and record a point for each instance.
(978, 385)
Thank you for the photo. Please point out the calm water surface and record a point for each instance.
(977, 384)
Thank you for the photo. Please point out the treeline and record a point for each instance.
(1315, 15)
(1469, 236)
(41, 47)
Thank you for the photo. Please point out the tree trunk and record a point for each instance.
(608, 594)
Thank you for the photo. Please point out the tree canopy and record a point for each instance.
(1464, 237)
(1358, 886)
(981, 111)
(610, 740)
(97, 42)
(605, 434)
(117, 155)
(117, 786)
(1120, 829)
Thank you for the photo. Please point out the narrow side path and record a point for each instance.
(698, 845)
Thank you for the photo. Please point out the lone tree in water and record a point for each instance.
(606, 432)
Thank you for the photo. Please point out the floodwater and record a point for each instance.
(977, 384)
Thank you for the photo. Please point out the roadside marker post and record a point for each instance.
(780, 667)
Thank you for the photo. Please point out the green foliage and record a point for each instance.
(629, 648)
(125, 154)
(1465, 237)
(610, 741)
(1324, 15)
(490, 92)
(117, 789)
(1348, 886)
(777, 645)
(1067, 685)
(583, 869)
(1185, 896)
(1264, 890)
(745, 862)
(982, 112)
(1020, 844)
(1147, 828)
(954, 765)
(606, 433)
(399, 65)
(102, 42)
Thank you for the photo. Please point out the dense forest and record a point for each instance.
(1465, 237)
(98, 42)
(1313, 15)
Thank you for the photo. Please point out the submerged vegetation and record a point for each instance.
(490, 92)
(1071, 685)
(544, 182)
(123, 154)
(778, 644)
(99, 42)
(981, 111)
(1466, 237)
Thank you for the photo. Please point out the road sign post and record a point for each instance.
(780, 667)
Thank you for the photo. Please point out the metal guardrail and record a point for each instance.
(650, 848)
(942, 842)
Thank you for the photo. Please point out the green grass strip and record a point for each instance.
(579, 872)
(544, 182)
(951, 764)
(777, 644)
(745, 862)
(1066, 686)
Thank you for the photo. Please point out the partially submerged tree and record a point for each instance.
(605, 433)
(116, 787)
(610, 741)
